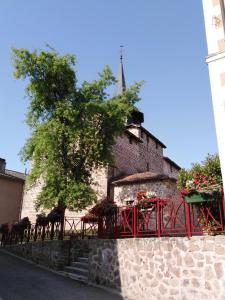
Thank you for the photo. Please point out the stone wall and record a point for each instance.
(52, 254)
(175, 268)
(165, 188)
(169, 170)
(133, 156)
(161, 268)
(29, 198)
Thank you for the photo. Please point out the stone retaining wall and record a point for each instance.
(160, 268)
(52, 254)
(144, 268)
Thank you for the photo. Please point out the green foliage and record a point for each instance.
(183, 177)
(210, 167)
(73, 127)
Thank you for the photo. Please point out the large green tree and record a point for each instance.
(73, 127)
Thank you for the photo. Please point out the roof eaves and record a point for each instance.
(172, 162)
(11, 177)
(133, 136)
(140, 180)
(148, 133)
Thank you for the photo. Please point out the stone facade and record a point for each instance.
(137, 155)
(160, 268)
(165, 188)
(51, 254)
(135, 151)
(175, 268)
(28, 205)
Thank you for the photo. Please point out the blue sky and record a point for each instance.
(165, 46)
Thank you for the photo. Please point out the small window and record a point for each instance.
(130, 140)
(147, 166)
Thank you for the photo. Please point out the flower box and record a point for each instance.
(197, 198)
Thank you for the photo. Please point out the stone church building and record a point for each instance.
(139, 165)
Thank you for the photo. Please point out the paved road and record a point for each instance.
(20, 280)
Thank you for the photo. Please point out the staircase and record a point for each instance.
(78, 269)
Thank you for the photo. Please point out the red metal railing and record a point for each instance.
(176, 218)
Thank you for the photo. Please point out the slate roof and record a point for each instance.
(13, 175)
(140, 177)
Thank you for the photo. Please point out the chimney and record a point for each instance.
(2, 165)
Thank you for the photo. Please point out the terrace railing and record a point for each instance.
(175, 218)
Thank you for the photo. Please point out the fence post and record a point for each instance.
(35, 232)
(223, 204)
(83, 229)
(52, 231)
(158, 218)
(135, 211)
(28, 234)
(188, 218)
(61, 232)
(115, 225)
(43, 233)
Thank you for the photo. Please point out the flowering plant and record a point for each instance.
(147, 199)
(104, 208)
(89, 217)
(145, 195)
(202, 184)
(202, 178)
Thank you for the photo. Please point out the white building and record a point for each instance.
(214, 13)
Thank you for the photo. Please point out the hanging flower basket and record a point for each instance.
(89, 218)
(199, 198)
(203, 182)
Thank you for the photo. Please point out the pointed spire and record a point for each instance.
(121, 85)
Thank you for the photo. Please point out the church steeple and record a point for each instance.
(136, 117)
(121, 85)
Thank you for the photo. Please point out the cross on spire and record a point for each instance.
(121, 53)
(121, 85)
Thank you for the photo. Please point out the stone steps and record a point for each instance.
(74, 276)
(78, 270)
(78, 264)
(82, 259)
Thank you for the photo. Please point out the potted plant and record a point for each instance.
(203, 182)
(208, 226)
(89, 218)
(4, 228)
(106, 207)
(56, 214)
(146, 200)
(42, 220)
